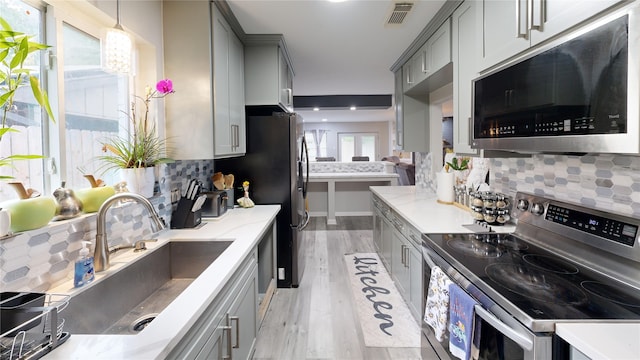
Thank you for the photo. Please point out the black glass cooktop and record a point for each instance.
(537, 282)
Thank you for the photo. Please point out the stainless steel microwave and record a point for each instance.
(578, 94)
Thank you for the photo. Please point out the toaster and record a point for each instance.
(215, 204)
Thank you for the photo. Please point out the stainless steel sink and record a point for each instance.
(126, 301)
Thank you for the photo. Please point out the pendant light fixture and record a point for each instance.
(118, 47)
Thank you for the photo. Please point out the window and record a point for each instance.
(357, 144)
(26, 116)
(316, 148)
(95, 104)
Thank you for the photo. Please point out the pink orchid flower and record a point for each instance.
(164, 86)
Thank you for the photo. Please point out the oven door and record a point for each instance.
(502, 337)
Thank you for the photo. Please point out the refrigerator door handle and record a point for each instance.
(305, 154)
(305, 222)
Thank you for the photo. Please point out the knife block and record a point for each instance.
(183, 218)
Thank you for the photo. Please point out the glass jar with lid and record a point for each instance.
(502, 201)
(489, 200)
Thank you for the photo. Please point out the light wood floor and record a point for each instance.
(318, 320)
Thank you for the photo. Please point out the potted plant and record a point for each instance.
(460, 169)
(15, 48)
(28, 212)
(136, 154)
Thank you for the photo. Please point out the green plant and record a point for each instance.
(141, 147)
(15, 48)
(462, 165)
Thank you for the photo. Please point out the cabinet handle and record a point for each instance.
(402, 256)
(235, 137)
(289, 97)
(536, 23)
(424, 61)
(227, 329)
(520, 34)
(409, 79)
(470, 132)
(406, 257)
(237, 320)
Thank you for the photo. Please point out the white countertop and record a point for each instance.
(352, 176)
(420, 208)
(619, 341)
(245, 226)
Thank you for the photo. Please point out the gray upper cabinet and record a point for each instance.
(510, 27)
(417, 77)
(268, 72)
(438, 49)
(399, 97)
(431, 57)
(205, 116)
(466, 50)
(228, 76)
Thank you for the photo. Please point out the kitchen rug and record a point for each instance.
(384, 317)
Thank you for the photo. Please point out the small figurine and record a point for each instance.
(244, 201)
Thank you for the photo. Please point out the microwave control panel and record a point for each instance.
(540, 127)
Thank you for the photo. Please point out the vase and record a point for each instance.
(139, 180)
(461, 176)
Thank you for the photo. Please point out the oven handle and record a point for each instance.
(512, 334)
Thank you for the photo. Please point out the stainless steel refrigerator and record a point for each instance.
(277, 166)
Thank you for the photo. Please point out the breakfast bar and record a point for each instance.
(344, 194)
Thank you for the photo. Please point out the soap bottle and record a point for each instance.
(83, 267)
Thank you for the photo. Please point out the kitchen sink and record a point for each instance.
(126, 301)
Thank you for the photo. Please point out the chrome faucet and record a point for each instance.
(101, 251)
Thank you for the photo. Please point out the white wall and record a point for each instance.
(335, 128)
(143, 20)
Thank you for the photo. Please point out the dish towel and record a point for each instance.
(436, 312)
(462, 320)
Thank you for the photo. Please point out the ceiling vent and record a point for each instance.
(399, 12)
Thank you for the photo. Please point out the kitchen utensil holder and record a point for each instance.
(40, 327)
(183, 217)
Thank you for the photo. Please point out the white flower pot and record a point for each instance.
(139, 180)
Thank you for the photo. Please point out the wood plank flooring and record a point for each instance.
(318, 320)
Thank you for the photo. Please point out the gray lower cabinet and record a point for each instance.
(228, 327)
(416, 294)
(242, 315)
(399, 268)
(398, 244)
(407, 271)
(387, 243)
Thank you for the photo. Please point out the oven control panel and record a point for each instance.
(604, 231)
(614, 230)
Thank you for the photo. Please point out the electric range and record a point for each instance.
(564, 262)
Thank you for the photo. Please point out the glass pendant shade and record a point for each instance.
(118, 50)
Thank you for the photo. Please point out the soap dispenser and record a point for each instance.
(84, 273)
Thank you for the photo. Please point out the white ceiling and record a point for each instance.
(342, 48)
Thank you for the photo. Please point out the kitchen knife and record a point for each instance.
(196, 191)
(190, 189)
(197, 205)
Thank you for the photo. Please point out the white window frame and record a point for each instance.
(89, 19)
(358, 143)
